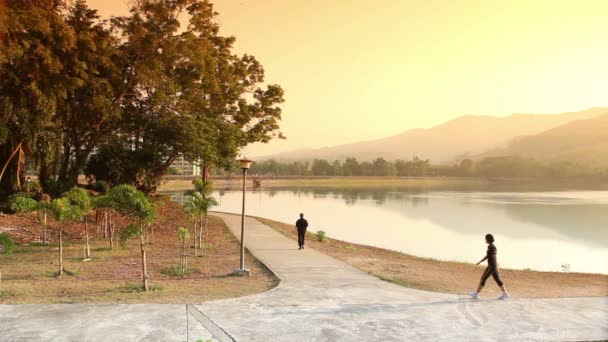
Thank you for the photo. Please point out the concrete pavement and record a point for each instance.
(323, 299)
(319, 299)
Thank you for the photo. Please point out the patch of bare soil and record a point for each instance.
(114, 275)
(451, 277)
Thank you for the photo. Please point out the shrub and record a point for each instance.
(7, 244)
(321, 236)
(173, 171)
(32, 187)
(22, 202)
(101, 186)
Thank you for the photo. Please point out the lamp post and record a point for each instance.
(242, 271)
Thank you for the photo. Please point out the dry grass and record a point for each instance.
(451, 277)
(113, 276)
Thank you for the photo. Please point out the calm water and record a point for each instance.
(539, 231)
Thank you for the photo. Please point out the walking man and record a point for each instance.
(301, 225)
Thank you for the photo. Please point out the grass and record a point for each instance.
(450, 276)
(176, 271)
(137, 288)
(6, 293)
(29, 275)
(341, 183)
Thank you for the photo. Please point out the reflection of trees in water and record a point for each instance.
(351, 196)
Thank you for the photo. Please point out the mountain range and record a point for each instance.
(476, 136)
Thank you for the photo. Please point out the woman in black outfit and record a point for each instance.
(491, 270)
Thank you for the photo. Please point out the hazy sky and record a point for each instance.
(364, 69)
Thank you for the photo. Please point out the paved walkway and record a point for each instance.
(319, 299)
(323, 299)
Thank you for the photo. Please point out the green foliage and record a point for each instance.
(7, 244)
(128, 233)
(63, 211)
(183, 234)
(198, 205)
(79, 198)
(101, 186)
(205, 188)
(140, 93)
(173, 171)
(350, 248)
(130, 202)
(176, 271)
(22, 202)
(134, 288)
(32, 188)
(320, 235)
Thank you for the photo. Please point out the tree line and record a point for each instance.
(504, 166)
(120, 99)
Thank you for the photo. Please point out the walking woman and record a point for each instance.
(491, 270)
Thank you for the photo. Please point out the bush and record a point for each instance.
(321, 236)
(7, 244)
(173, 171)
(101, 186)
(32, 188)
(22, 202)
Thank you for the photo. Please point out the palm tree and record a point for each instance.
(198, 206)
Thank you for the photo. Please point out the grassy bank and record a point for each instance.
(394, 183)
(339, 183)
(450, 277)
(113, 275)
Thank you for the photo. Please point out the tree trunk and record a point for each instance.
(44, 229)
(88, 244)
(111, 231)
(10, 158)
(60, 253)
(144, 271)
(195, 237)
(207, 228)
(205, 171)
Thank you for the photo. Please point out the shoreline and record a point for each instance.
(226, 183)
(450, 276)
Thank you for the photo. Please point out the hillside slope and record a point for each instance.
(466, 135)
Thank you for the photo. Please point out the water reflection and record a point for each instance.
(540, 230)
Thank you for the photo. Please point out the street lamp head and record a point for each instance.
(245, 163)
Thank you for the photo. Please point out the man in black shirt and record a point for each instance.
(301, 225)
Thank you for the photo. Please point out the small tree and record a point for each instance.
(79, 199)
(135, 206)
(103, 206)
(198, 206)
(63, 212)
(183, 235)
(44, 207)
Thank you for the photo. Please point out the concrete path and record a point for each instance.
(319, 299)
(323, 299)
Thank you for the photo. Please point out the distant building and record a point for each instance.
(186, 168)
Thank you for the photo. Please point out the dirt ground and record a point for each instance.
(114, 276)
(451, 277)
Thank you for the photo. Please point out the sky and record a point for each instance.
(356, 70)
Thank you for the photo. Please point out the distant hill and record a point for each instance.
(466, 135)
(583, 142)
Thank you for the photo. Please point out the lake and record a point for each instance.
(544, 231)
